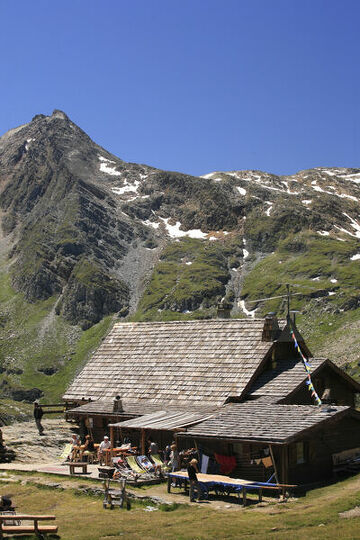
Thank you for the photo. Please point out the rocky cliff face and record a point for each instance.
(86, 234)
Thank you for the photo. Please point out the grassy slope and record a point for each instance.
(314, 516)
(33, 337)
(190, 273)
(308, 262)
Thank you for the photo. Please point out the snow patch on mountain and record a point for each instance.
(127, 188)
(107, 166)
(241, 304)
(175, 232)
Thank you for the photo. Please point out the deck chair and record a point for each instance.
(66, 452)
(145, 463)
(134, 466)
(159, 463)
(122, 470)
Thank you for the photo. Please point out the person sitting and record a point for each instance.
(104, 445)
(146, 464)
(126, 444)
(75, 447)
(120, 467)
(88, 449)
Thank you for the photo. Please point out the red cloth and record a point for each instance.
(227, 463)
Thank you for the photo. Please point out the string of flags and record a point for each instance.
(307, 367)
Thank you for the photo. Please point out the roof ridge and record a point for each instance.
(203, 321)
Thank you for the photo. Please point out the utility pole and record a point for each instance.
(288, 299)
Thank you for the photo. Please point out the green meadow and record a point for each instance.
(82, 517)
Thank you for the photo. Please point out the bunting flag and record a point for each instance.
(307, 367)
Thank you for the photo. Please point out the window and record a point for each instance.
(238, 449)
(300, 453)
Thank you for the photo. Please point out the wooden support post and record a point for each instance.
(244, 495)
(284, 464)
(169, 484)
(143, 449)
(260, 495)
(111, 438)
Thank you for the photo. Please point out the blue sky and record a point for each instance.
(193, 86)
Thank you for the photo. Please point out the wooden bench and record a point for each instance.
(77, 465)
(34, 528)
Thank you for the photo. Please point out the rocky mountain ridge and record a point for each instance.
(86, 235)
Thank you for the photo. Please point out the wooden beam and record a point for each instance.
(111, 438)
(143, 449)
(284, 464)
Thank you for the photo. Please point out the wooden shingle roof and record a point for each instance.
(164, 420)
(279, 382)
(264, 422)
(105, 407)
(188, 363)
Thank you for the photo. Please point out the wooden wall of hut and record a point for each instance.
(249, 456)
(341, 392)
(97, 426)
(318, 449)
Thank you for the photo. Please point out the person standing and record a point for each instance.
(38, 414)
(193, 480)
(153, 447)
(104, 445)
(174, 458)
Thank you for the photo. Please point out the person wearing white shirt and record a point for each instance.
(104, 445)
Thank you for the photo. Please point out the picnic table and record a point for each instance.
(11, 525)
(237, 485)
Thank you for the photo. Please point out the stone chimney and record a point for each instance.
(223, 309)
(271, 328)
(117, 404)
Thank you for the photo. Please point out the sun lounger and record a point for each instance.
(145, 463)
(159, 463)
(157, 459)
(134, 465)
(66, 452)
(122, 470)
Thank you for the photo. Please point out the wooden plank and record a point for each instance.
(30, 517)
(28, 529)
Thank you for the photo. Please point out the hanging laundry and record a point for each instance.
(204, 464)
(227, 463)
(267, 462)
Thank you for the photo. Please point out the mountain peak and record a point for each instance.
(57, 113)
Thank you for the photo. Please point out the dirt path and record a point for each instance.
(23, 438)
